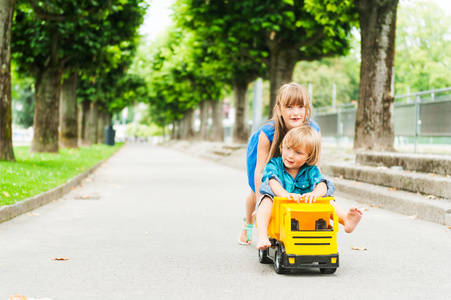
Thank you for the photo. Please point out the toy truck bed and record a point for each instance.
(302, 235)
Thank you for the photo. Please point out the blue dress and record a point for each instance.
(252, 146)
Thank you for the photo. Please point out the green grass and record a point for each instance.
(34, 173)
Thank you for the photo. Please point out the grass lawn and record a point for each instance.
(34, 173)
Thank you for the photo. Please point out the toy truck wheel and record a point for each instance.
(278, 260)
(263, 256)
(328, 270)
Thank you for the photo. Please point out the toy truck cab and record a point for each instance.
(302, 235)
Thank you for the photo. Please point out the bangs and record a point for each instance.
(293, 97)
(298, 141)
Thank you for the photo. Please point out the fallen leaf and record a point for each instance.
(413, 217)
(61, 258)
(6, 194)
(74, 188)
(431, 197)
(18, 297)
(359, 248)
(392, 189)
(356, 183)
(364, 208)
(431, 174)
(33, 214)
(449, 227)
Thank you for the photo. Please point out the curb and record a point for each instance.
(8, 212)
(425, 163)
(434, 210)
(406, 180)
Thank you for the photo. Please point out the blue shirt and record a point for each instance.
(305, 182)
(251, 154)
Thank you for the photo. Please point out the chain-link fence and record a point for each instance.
(422, 114)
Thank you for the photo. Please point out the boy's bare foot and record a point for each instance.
(263, 242)
(352, 219)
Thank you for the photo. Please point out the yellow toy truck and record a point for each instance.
(302, 235)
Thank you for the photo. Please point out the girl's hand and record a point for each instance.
(292, 196)
(310, 197)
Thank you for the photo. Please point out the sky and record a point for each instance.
(158, 15)
(157, 18)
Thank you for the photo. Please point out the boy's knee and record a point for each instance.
(263, 199)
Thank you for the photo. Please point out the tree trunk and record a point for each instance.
(173, 130)
(374, 129)
(91, 128)
(204, 112)
(241, 128)
(283, 60)
(176, 130)
(217, 129)
(69, 113)
(46, 113)
(6, 144)
(101, 127)
(186, 125)
(85, 106)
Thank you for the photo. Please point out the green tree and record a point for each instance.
(106, 85)
(6, 17)
(23, 100)
(238, 54)
(46, 36)
(423, 48)
(374, 128)
(322, 74)
(273, 34)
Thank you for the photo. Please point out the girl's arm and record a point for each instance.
(319, 156)
(262, 154)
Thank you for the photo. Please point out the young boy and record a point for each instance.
(295, 176)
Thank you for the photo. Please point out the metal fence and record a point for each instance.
(422, 114)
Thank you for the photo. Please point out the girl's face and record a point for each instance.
(293, 159)
(292, 115)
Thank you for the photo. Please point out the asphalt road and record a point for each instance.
(154, 223)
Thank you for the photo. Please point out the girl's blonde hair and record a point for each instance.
(307, 137)
(290, 94)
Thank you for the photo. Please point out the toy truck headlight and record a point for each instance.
(333, 260)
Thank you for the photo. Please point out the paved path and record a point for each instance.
(161, 224)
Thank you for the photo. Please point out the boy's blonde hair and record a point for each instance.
(290, 94)
(306, 136)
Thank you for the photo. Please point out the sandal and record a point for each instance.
(249, 228)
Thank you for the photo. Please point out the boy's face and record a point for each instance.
(293, 116)
(294, 158)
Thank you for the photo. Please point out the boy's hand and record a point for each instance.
(310, 197)
(293, 196)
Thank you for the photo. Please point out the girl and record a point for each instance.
(294, 175)
(292, 109)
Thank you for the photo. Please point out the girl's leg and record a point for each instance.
(250, 208)
(263, 217)
(348, 220)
